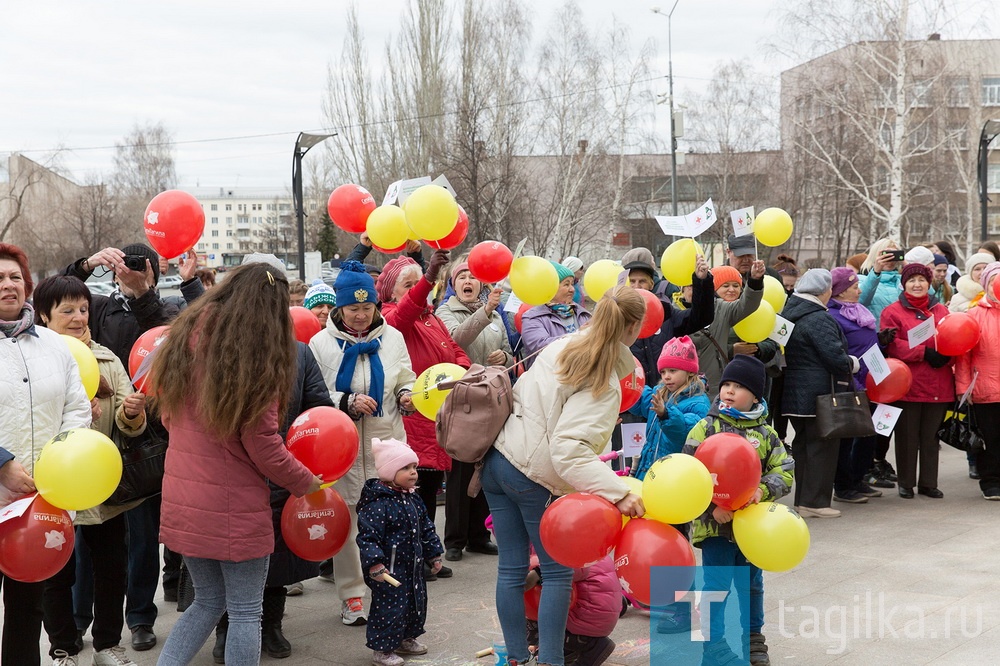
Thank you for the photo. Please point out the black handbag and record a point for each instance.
(843, 415)
(959, 429)
(142, 464)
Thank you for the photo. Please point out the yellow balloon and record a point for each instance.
(78, 469)
(431, 212)
(427, 398)
(387, 227)
(678, 261)
(87, 363)
(772, 536)
(677, 488)
(534, 280)
(772, 227)
(774, 293)
(601, 276)
(758, 325)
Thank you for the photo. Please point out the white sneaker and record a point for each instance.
(61, 658)
(386, 659)
(352, 612)
(295, 589)
(822, 512)
(411, 646)
(112, 656)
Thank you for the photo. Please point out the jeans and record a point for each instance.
(22, 622)
(517, 504)
(721, 552)
(218, 586)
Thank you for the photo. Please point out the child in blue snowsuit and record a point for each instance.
(396, 538)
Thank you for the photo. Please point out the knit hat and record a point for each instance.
(991, 269)
(391, 455)
(149, 253)
(748, 372)
(319, 293)
(976, 259)
(919, 255)
(262, 258)
(562, 271)
(842, 277)
(814, 281)
(354, 285)
(573, 263)
(940, 260)
(678, 354)
(723, 274)
(386, 282)
(909, 270)
(459, 267)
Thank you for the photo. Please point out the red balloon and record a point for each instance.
(174, 221)
(316, 526)
(349, 207)
(893, 387)
(490, 261)
(325, 440)
(735, 467)
(305, 322)
(141, 349)
(579, 529)
(38, 544)
(457, 235)
(648, 543)
(520, 314)
(392, 251)
(632, 386)
(653, 319)
(958, 332)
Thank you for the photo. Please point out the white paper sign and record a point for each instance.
(513, 304)
(691, 225)
(921, 332)
(742, 221)
(885, 418)
(398, 192)
(876, 364)
(391, 193)
(633, 438)
(442, 180)
(16, 509)
(782, 330)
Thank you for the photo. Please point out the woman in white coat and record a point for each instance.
(367, 369)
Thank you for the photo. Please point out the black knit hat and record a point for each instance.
(148, 252)
(748, 372)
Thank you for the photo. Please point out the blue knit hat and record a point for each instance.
(562, 271)
(354, 285)
(319, 293)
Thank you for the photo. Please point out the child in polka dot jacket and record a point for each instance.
(395, 537)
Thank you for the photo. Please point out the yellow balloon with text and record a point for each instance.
(601, 276)
(533, 280)
(431, 212)
(678, 261)
(774, 293)
(677, 488)
(387, 227)
(427, 397)
(772, 227)
(758, 325)
(78, 469)
(87, 362)
(772, 536)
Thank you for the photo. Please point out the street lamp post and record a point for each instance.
(673, 137)
(990, 131)
(303, 143)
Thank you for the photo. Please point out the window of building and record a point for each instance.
(885, 95)
(920, 94)
(272, 207)
(881, 180)
(215, 220)
(993, 220)
(991, 91)
(201, 246)
(229, 219)
(920, 137)
(958, 136)
(215, 206)
(215, 233)
(229, 246)
(993, 178)
(958, 91)
(284, 206)
(229, 206)
(885, 134)
(215, 246)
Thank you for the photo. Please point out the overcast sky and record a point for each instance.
(80, 74)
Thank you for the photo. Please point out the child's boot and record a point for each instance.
(758, 650)
(386, 659)
(411, 646)
(595, 653)
(718, 653)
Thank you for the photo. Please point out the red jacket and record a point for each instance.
(984, 357)
(428, 343)
(215, 496)
(929, 384)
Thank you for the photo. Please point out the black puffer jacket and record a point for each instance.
(816, 350)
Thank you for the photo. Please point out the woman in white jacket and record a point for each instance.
(565, 408)
(40, 396)
(367, 369)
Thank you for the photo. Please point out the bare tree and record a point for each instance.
(143, 167)
(94, 218)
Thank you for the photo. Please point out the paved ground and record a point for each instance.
(891, 582)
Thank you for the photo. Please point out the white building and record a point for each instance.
(241, 220)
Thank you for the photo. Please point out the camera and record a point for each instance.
(135, 262)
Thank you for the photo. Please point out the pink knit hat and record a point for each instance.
(391, 455)
(387, 279)
(679, 354)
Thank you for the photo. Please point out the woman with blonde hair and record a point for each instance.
(880, 285)
(565, 408)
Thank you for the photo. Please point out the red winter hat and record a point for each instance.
(387, 279)
(679, 354)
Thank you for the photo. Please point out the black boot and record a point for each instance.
(758, 650)
(221, 629)
(272, 641)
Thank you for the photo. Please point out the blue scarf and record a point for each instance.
(350, 360)
(757, 411)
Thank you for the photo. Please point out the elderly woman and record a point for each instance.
(404, 289)
(367, 368)
(968, 291)
(475, 324)
(40, 396)
(817, 359)
(320, 300)
(62, 304)
(544, 323)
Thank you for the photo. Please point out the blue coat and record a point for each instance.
(666, 434)
(880, 291)
(395, 531)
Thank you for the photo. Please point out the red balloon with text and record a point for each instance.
(645, 544)
(36, 545)
(316, 526)
(325, 440)
(632, 386)
(349, 207)
(894, 387)
(173, 222)
(141, 350)
(305, 323)
(735, 468)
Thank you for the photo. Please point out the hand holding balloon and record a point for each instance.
(700, 267)
(493, 300)
(758, 495)
(757, 270)
(631, 505)
(134, 405)
(722, 516)
(95, 410)
(15, 478)
(317, 484)
(438, 259)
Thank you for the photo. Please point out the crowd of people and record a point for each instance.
(225, 413)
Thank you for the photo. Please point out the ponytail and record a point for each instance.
(588, 360)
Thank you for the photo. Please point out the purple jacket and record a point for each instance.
(859, 340)
(540, 326)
